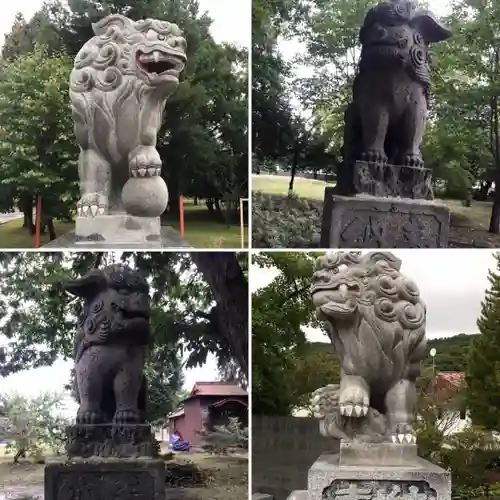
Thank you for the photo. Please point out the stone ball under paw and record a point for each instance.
(145, 196)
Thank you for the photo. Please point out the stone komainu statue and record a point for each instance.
(111, 345)
(386, 120)
(119, 85)
(376, 321)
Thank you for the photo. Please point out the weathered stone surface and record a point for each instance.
(298, 495)
(329, 480)
(262, 496)
(169, 239)
(118, 228)
(110, 345)
(386, 119)
(383, 180)
(376, 320)
(120, 82)
(118, 479)
(107, 440)
(361, 453)
(368, 222)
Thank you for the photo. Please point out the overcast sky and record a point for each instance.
(236, 31)
(452, 284)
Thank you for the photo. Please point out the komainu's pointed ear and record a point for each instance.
(431, 29)
(88, 286)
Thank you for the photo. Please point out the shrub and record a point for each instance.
(223, 437)
(285, 221)
(468, 455)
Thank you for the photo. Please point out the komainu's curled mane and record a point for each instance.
(376, 320)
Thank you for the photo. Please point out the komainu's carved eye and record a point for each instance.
(161, 37)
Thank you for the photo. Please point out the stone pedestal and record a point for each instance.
(119, 231)
(365, 221)
(117, 228)
(329, 479)
(107, 462)
(105, 478)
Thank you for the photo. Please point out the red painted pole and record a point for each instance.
(181, 214)
(38, 218)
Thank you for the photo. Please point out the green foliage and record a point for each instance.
(452, 353)
(37, 147)
(285, 221)
(279, 312)
(33, 424)
(483, 373)
(469, 455)
(39, 322)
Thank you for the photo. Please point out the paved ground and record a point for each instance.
(7, 218)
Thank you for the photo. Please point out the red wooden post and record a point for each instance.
(181, 214)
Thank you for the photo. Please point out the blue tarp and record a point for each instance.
(177, 444)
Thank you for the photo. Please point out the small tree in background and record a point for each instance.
(483, 372)
(223, 437)
(33, 424)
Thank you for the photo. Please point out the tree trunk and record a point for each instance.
(26, 206)
(294, 168)
(21, 453)
(495, 211)
(52, 229)
(229, 287)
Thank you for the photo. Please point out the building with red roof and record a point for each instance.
(208, 404)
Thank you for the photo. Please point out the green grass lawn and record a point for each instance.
(305, 188)
(200, 230)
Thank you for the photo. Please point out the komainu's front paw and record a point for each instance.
(92, 204)
(374, 156)
(89, 417)
(403, 434)
(126, 416)
(413, 160)
(145, 161)
(354, 401)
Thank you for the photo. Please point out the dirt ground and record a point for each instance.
(228, 478)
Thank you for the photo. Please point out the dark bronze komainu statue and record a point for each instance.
(111, 450)
(385, 123)
(111, 345)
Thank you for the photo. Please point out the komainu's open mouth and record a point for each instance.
(159, 63)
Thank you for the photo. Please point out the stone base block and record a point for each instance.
(169, 238)
(112, 479)
(119, 228)
(106, 440)
(364, 221)
(328, 480)
(359, 453)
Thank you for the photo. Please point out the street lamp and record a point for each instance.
(433, 354)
